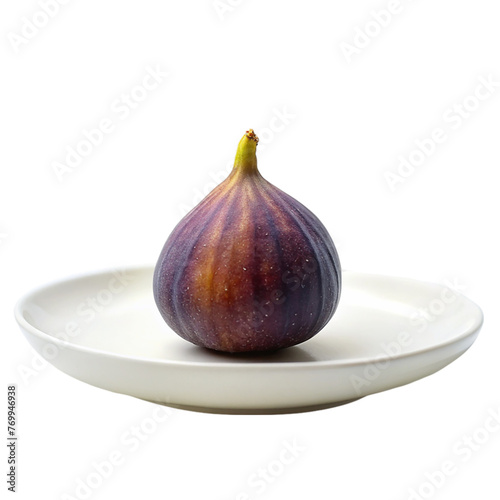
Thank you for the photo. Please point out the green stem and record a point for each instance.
(246, 159)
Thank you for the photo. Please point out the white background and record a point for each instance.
(348, 118)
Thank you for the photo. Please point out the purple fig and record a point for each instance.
(249, 268)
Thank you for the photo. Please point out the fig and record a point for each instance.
(249, 268)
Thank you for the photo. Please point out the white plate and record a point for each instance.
(104, 329)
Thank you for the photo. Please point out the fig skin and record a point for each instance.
(249, 268)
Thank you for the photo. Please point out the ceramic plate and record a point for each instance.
(104, 329)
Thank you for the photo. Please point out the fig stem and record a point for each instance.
(246, 159)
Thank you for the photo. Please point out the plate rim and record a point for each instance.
(20, 305)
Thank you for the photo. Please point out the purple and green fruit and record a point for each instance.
(249, 268)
